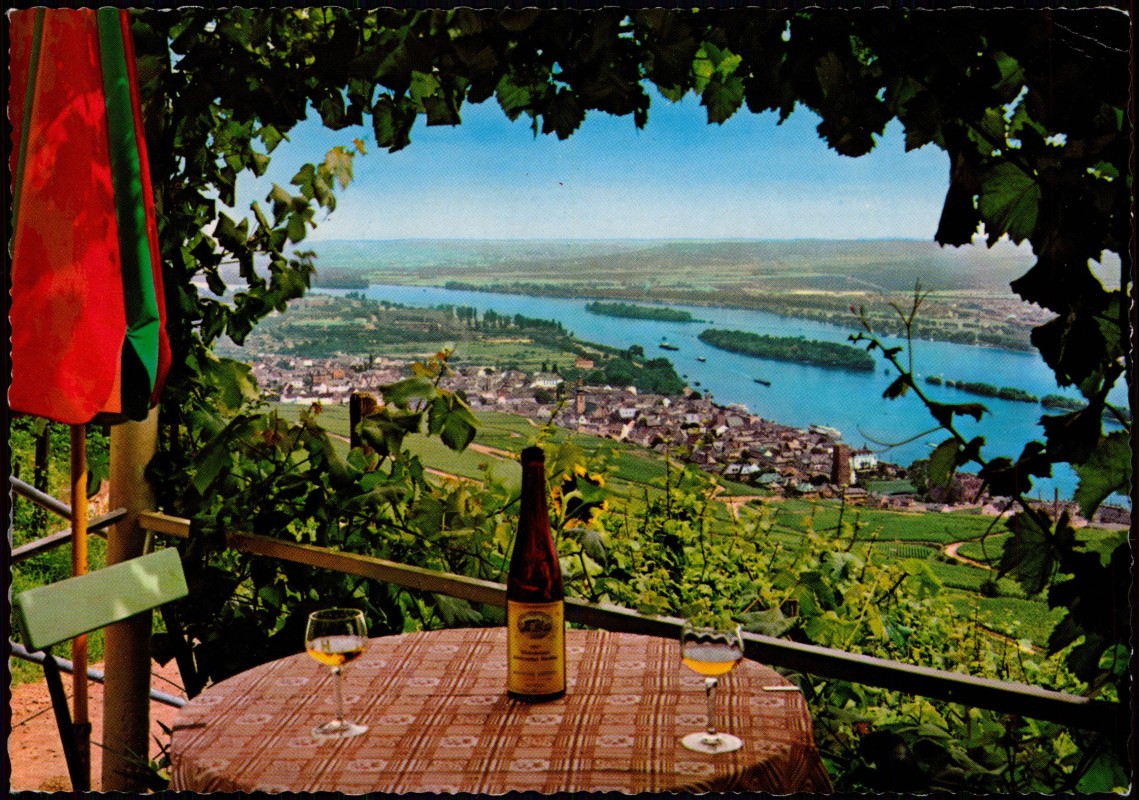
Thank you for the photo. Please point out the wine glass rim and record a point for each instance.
(335, 614)
(730, 630)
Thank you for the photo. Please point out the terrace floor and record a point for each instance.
(33, 742)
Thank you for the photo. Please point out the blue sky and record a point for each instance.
(678, 177)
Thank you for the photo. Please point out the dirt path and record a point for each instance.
(33, 742)
(951, 551)
(735, 502)
(493, 451)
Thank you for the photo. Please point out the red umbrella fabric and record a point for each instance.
(87, 312)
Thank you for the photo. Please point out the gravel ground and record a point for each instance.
(33, 741)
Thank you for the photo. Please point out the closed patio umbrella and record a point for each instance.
(87, 313)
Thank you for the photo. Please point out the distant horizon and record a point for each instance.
(979, 247)
(632, 239)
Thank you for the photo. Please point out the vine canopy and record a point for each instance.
(1030, 106)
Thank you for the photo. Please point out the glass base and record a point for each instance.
(712, 743)
(338, 729)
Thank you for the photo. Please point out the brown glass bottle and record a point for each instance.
(535, 599)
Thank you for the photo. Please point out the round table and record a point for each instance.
(440, 721)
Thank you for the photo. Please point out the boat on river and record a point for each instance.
(701, 359)
(762, 382)
(667, 346)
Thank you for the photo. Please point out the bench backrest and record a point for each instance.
(48, 615)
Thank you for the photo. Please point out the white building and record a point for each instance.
(546, 380)
(863, 459)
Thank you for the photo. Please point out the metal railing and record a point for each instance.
(1002, 696)
(96, 525)
(19, 651)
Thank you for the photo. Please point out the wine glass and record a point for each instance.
(711, 652)
(335, 636)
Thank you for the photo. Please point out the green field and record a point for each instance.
(898, 526)
(649, 265)
(327, 326)
(1018, 618)
(1099, 541)
(632, 469)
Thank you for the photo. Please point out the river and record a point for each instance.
(802, 395)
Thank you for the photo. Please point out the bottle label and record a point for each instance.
(536, 635)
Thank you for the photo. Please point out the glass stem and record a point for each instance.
(339, 698)
(710, 694)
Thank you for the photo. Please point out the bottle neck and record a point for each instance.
(534, 512)
(535, 574)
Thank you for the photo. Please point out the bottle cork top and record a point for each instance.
(532, 454)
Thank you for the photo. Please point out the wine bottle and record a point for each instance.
(535, 599)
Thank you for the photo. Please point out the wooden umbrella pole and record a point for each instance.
(126, 654)
(79, 567)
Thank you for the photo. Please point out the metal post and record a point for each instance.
(81, 725)
(126, 706)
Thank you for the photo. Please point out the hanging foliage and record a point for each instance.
(1031, 108)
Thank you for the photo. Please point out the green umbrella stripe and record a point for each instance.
(143, 321)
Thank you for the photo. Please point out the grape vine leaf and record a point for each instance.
(943, 412)
(898, 388)
(1107, 471)
(563, 115)
(391, 122)
(1028, 556)
(770, 622)
(722, 97)
(1073, 437)
(450, 418)
(338, 162)
(943, 462)
(456, 612)
(1009, 203)
(959, 217)
(1105, 775)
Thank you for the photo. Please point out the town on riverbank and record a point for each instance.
(725, 440)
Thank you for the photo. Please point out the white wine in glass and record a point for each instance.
(712, 653)
(335, 636)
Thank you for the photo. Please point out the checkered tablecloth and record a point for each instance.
(440, 721)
